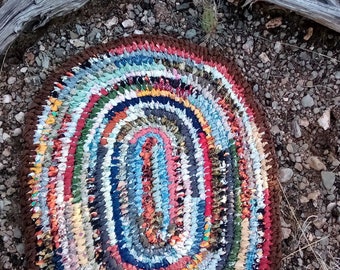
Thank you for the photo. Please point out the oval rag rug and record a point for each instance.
(149, 153)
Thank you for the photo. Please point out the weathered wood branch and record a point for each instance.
(16, 15)
(327, 14)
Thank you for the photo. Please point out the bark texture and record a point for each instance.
(17, 15)
(325, 12)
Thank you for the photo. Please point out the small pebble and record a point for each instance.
(298, 166)
(286, 232)
(7, 265)
(285, 174)
(275, 130)
(78, 42)
(309, 84)
(304, 56)
(80, 30)
(94, 35)
(16, 132)
(296, 130)
(304, 122)
(131, 15)
(264, 58)
(328, 179)
(128, 23)
(73, 35)
(290, 148)
(331, 197)
(17, 232)
(111, 22)
(6, 152)
(190, 33)
(20, 248)
(331, 206)
(5, 136)
(315, 163)
(11, 80)
(307, 101)
(335, 162)
(325, 120)
(277, 47)
(324, 242)
(20, 117)
(183, 6)
(249, 45)
(10, 191)
(59, 52)
(138, 32)
(314, 195)
(43, 60)
(319, 223)
(275, 105)
(304, 199)
(337, 75)
(6, 99)
(23, 69)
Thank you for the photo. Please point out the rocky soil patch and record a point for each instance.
(294, 75)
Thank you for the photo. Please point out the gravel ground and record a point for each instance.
(294, 76)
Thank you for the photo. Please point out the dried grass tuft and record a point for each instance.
(209, 16)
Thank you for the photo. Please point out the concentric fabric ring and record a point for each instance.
(149, 153)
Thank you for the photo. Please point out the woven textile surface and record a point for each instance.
(149, 153)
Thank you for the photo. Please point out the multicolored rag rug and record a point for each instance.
(149, 153)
